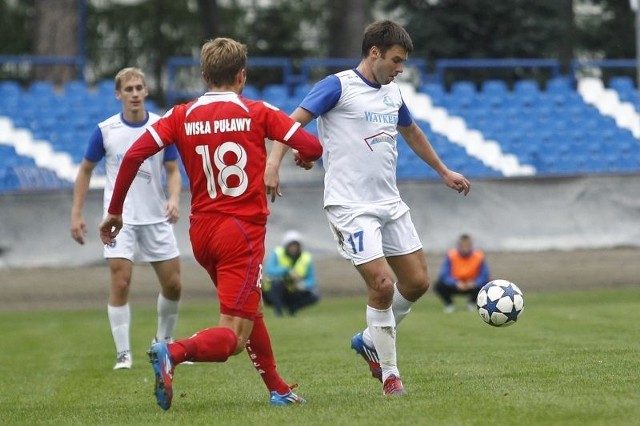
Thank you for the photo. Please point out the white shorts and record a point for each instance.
(366, 233)
(146, 243)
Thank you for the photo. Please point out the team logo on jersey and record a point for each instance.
(382, 137)
(388, 101)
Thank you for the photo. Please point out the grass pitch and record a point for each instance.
(571, 359)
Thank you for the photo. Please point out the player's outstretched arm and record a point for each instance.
(418, 142)
(80, 189)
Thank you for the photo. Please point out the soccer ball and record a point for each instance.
(500, 302)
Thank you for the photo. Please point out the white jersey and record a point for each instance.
(146, 201)
(357, 125)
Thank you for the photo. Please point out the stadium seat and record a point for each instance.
(528, 87)
(494, 87)
(559, 85)
(622, 84)
(251, 92)
(463, 88)
(275, 93)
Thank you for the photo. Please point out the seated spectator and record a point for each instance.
(290, 282)
(464, 271)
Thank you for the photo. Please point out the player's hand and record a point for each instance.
(172, 212)
(457, 181)
(307, 165)
(109, 228)
(78, 229)
(272, 182)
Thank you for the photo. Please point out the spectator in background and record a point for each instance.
(464, 271)
(291, 278)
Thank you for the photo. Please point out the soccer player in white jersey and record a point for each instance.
(360, 112)
(148, 214)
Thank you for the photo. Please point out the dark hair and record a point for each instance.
(383, 35)
(465, 237)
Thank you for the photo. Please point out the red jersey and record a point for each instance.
(221, 140)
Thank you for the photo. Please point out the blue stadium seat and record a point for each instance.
(622, 84)
(42, 89)
(251, 92)
(106, 88)
(435, 90)
(494, 87)
(529, 87)
(9, 89)
(275, 93)
(559, 85)
(463, 88)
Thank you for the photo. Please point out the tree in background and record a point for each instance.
(486, 29)
(146, 33)
(346, 24)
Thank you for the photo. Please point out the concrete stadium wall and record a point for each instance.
(502, 215)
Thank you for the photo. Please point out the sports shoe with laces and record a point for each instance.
(393, 386)
(286, 399)
(163, 370)
(369, 354)
(123, 360)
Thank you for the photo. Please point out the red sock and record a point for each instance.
(214, 344)
(261, 354)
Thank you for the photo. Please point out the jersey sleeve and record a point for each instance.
(323, 96)
(95, 150)
(164, 132)
(284, 129)
(170, 153)
(404, 116)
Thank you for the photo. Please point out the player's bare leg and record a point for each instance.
(118, 310)
(168, 273)
(413, 281)
(381, 324)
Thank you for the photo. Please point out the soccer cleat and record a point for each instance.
(369, 354)
(393, 386)
(286, 399)
(163, 369)
(123, 360)
(449, 309)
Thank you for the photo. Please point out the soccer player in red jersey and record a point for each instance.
(221, 140)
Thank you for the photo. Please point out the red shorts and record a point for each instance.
(231, 250)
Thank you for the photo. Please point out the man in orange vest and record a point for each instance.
(464, 271)
(291, 278)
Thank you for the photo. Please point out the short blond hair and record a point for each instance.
(127, 74)
(221, 59)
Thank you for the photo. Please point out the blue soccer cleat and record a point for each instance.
(286, 399)
(163, 369)
(369, 354)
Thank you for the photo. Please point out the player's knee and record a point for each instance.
(120, 285)
(240, 345)
(172, 287)
(381, 289)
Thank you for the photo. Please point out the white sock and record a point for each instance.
(401, 308)
(120, 321)
(382, 328)
(167, 318)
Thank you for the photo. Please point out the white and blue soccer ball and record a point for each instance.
(500, 303)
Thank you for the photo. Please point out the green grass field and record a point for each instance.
(573, 358)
